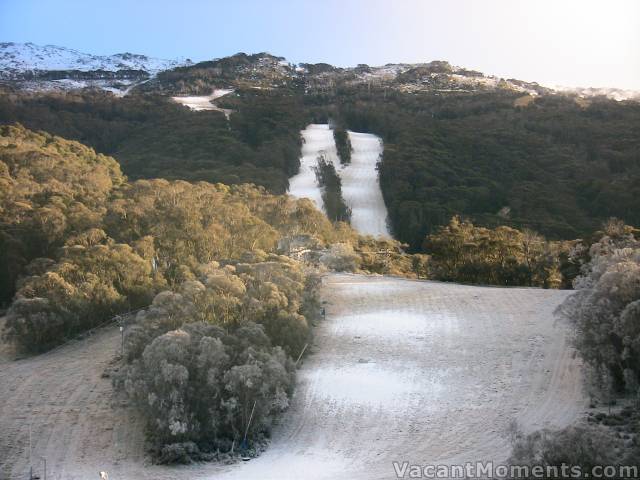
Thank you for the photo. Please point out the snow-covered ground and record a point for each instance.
(317, 140)
(205, 102)
(617, 94)
(400, 370)
(361, 188)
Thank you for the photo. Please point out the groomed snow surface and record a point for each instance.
(400, 370)
(360, 186)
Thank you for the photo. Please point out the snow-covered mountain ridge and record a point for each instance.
(18, 59)
(30, 67)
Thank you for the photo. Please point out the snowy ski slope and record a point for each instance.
(360, 186)
(205, 102)
(317, 140)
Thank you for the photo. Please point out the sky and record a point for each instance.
(554, 42)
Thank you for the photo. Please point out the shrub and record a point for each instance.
(584, 446)
(605, 311)
(34, 324)
(201, 359)
(341, 257)
(197, 386)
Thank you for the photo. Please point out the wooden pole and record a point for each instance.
(246, 432)
(300, 356)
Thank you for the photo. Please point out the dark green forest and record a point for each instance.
(551, 164)
(153, 137)
(555, 166)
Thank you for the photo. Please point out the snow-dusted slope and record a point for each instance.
(17, 58)
(318, 139)
(617, 94)
(425, 372)
(361, 188)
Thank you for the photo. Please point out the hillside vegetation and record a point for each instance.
(153, 137)
(77, 234)
(221, 314)
(553, 166)
(549, 163)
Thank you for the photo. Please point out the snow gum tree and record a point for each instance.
(213, 359)
(605, 310)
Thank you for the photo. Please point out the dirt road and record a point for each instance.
(74, 420)
(400, 370)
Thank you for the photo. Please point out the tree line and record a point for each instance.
(334, 204)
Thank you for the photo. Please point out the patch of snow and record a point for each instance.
(205, 102)
(360, 185)
(478, 358)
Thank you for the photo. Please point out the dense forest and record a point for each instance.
(76, 232)
(557, 165)
(153, 137)
(553, 164)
